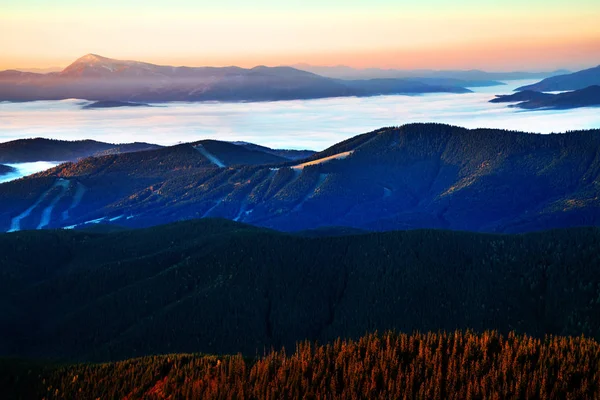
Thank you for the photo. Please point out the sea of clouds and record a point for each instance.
(300, 124)
(312, 124)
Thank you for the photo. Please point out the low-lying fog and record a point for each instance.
(24, 169)
(299, 124)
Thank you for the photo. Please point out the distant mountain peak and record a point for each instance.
(91, 57)
(94, 65)
(97, 78)
(89, 62)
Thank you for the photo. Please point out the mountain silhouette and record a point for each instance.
(409, 177)
(96, 78)
(575, 81)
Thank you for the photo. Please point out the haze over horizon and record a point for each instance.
(298, 65)
(512, 35)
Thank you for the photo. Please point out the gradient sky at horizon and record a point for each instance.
(436, 34)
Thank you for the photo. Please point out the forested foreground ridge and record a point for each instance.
(459, 365)
(220, 287)
(408, 177)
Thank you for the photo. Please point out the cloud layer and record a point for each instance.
(312, 124)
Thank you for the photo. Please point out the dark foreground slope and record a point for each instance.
(414, 176)
(391, 366)
(216, 286)
(470, 78)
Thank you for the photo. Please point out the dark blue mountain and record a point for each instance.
(5, 169)
(96, 78)
(531, 100)
(575, 81)
(39, 149)
(409, 177)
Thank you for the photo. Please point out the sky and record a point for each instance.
(498, 35)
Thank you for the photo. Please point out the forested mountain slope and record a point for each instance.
(216, 286)
(414, 176)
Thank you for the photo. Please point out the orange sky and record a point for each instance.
(435, 34)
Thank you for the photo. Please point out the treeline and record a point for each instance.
(459, 365)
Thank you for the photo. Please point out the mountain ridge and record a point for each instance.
(532, 100)
(41, 149)
(574, 81)
(409, 177)
(474, 77)
(97, 78)
(5, 169)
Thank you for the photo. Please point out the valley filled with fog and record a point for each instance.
(24, 169)
(298, 124)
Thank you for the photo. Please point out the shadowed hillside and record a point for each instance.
(31, 150)
(531, 100)
(414, 176)
(575, 81)
(289, 154)
(5, 169)
(216, 286)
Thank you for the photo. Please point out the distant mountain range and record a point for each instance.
(96, 78)
(529, 99)
(113, 104)
(468, 78)
(575, 81)
(39, 149)
(215, 286)
(32, 150)
(414, 176)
